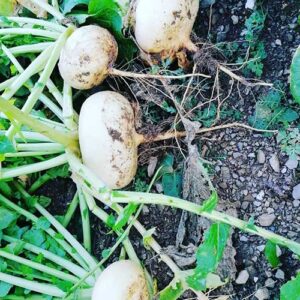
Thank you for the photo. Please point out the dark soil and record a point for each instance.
(244, 184)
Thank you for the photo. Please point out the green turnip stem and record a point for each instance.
(34, 219)
(55, 4)
(143, 198)
(36, 66)
(71, 207)
(39, 22)
(50, 9)
(68, 112)
(7, 173)
(121, 238)
(31, 154)
(46, 147)
(42, 288)
(30, 31)
(92, 184)
(29, 136)
(66, 264)
(89, 260)
(39, 86)
(55, 92)
(43, 98)
(52, 106)
(65, 139)
(40, 267)
(104, 217)
(115, 72)
(5, 84)
(35, 48)
(85, 218)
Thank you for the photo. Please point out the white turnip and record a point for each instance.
(86, 57)
(108, 140)
(165, 25)
(121, 280)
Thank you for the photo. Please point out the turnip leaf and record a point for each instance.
(209, 255)
(271, 255)
(68, 5)
(295, 76)
(172, 292)
(291, 290)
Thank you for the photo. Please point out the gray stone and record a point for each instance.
(261, 157)
(250, 4)
(235, 19)
(280, 274)
(292, 163)
(296, 203)
(266, 219)
(260, 195)
(270, 283)
(242, 277)
(262, 294)
(296, 192)
(274, 163)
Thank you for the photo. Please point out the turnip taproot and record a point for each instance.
(165, 25)
(122, 280)
(108, 139)
(86, 57)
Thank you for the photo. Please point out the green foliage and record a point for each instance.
(270, 112)
(172, 292)
(295, 76)
(253, 28)
(6, 146)
(68, 5)
(7, 217)
(210, 204)
(291, 290)
(171, 179)
(209, 254)
(123, 218)
(147, 237)
(271, 254)
(290, 142)
(5, 288)
(108, 14)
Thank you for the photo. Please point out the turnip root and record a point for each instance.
(165, 25)
(108, 139)
(121, 280)
(86, 57)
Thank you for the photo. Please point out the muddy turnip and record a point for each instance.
(165, 25)
(86, 57)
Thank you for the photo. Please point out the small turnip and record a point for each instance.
(121, 280)
(165, 25)
(86, 57)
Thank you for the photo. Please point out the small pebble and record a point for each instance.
(280, 274)
(270, 283)
(296, 192)
(261, 157)
(274, 163)
(292, 164)
(242, 277)
(262, 294)
(235, 19)
(266, 220)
